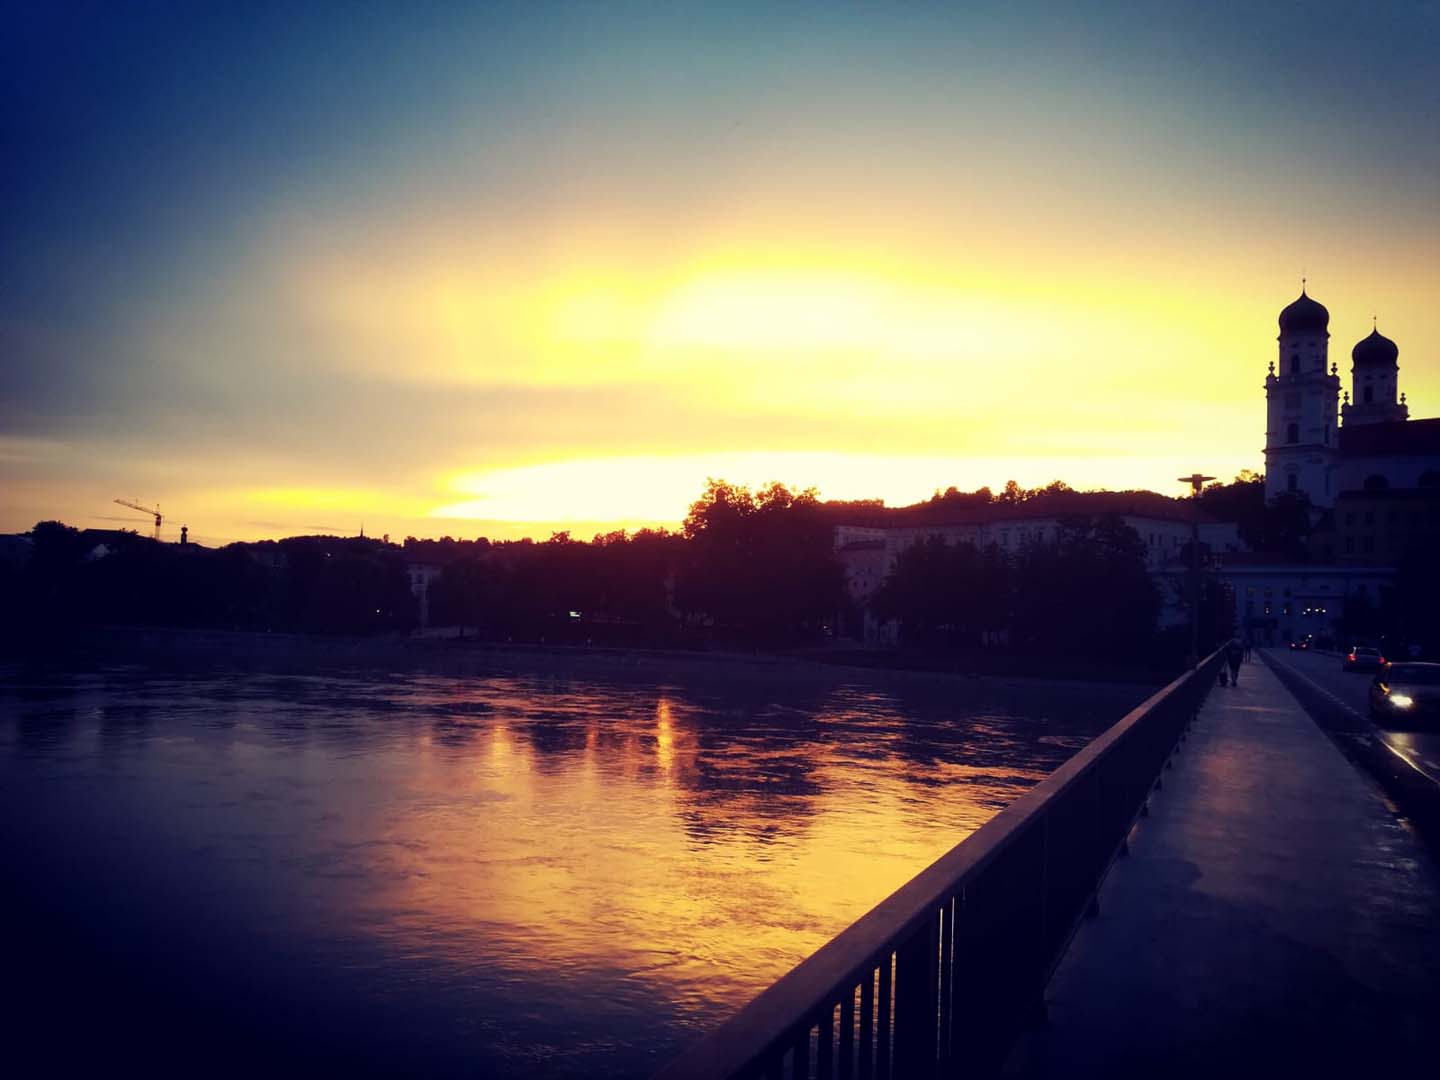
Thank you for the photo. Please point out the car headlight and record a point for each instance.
(1401, 701)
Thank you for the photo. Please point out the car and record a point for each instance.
(1363, 658)
(1406, 694)
(1300, 643)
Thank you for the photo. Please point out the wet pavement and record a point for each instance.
(1274, 917)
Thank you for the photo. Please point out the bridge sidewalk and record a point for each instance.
(1272, 918)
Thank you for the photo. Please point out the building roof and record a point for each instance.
(1391, 437)
(1304, 316)
(1377, 350)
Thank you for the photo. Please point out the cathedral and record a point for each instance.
(1323, 447)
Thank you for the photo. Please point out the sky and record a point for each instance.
(506, 269)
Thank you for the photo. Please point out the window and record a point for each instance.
(1350, 519)
(1369, 545)
(1295, 363)
(1349, 545)
(1292, 433)
(1369, 394)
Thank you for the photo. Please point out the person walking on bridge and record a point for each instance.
(1234, 654)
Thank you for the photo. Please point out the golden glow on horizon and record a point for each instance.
(597, 388)
(661, 489)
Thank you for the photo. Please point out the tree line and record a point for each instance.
(749, 568)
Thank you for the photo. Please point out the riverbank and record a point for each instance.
(465, 655)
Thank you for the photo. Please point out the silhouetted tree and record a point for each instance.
(1281, 525)
(760, 565)
(954, 497)
(1087, 592)
(946, 593)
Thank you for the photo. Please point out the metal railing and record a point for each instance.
(940, 978)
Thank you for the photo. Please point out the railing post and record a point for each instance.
(916, 1001)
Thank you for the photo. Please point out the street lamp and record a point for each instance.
(1196, 482)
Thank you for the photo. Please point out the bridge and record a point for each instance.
(1211, 887)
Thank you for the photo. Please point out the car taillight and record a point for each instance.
(1382, 659)
(1350, 657)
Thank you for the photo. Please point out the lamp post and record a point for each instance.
(1196, 482)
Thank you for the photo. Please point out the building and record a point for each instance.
(1278, 600)
(1371, 473)
(1321, 446)
(1381, 526)
(868, 549)
(422, 575)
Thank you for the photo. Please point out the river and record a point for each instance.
(517, 870)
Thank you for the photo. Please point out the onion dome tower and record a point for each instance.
(1374, 380)
(1302, 395)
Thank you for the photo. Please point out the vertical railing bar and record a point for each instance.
(947, 975)
(825, 1045)
(1040, 953)
(867, 1026)
(847, 1035)
(887, 1015)
(800, 1062)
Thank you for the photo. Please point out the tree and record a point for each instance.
(1087, 592)
(946, 593)
(760, 565)
(1281, 525)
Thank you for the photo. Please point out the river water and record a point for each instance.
(514, 871)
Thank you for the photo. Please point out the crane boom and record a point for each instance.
(155, 513)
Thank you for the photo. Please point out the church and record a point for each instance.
(1323, 447)
(1371, 476)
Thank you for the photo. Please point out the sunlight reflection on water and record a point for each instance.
(545, 873)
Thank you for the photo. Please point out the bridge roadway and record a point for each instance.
(1347, 693)
(1273, 917)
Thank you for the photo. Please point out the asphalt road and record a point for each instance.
(1347, 691)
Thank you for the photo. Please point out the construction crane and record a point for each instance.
(155, 513)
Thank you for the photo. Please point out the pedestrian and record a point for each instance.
(1234, 653)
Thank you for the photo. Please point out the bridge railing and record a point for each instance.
(939, 978)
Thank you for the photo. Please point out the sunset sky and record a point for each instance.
(503, 269)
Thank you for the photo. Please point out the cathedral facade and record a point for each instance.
(1323, 442)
